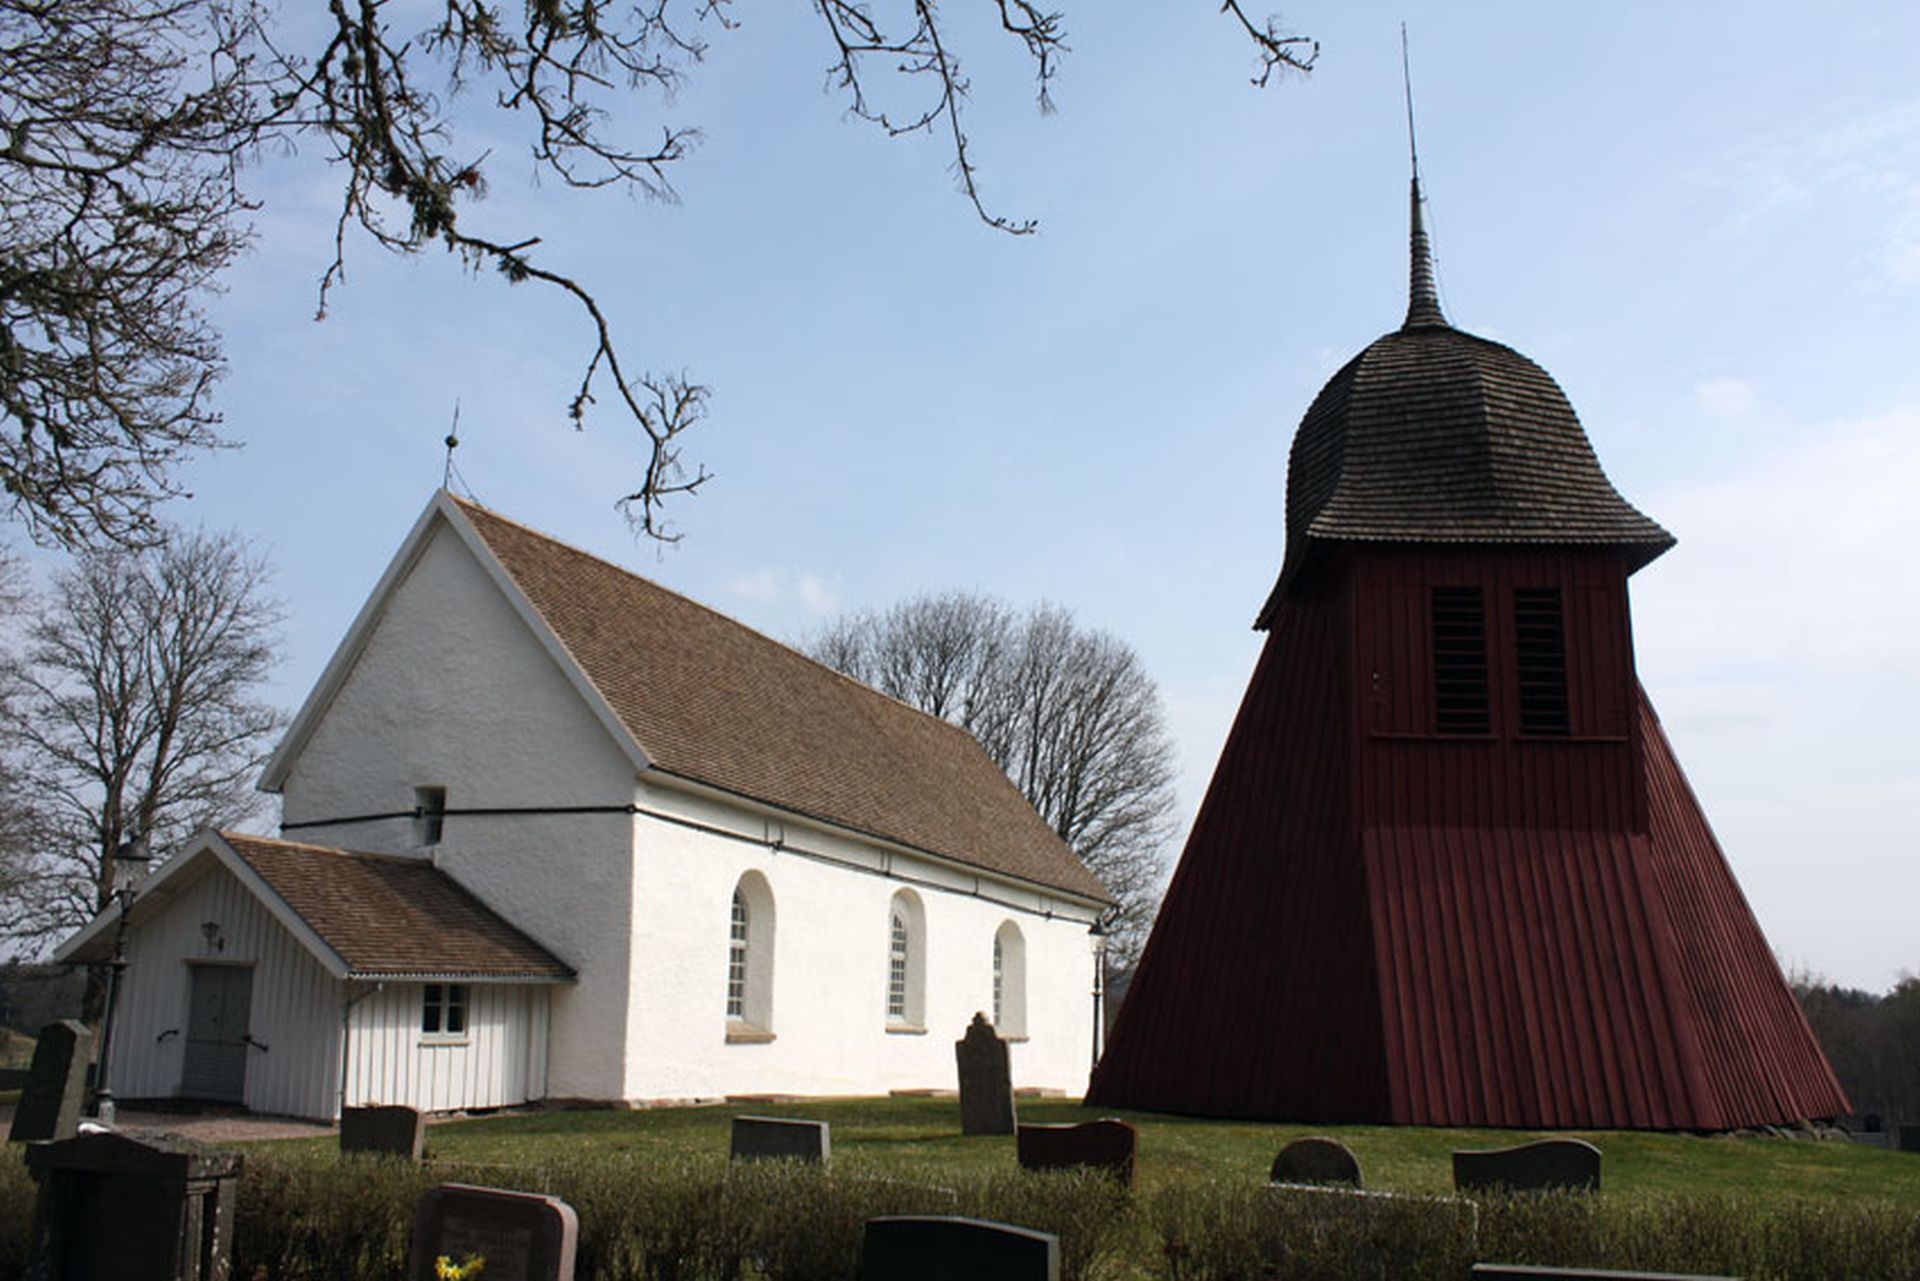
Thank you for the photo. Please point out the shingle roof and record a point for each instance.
(391, 916)
(711, 700)
(1433, 435)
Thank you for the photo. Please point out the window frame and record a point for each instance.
(907, 943)
(747, 1003)
(439, 1005)
(429, 815)
(1010, 981)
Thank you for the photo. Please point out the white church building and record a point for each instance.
(551, 831)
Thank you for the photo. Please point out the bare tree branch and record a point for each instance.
(123, 124)
(1069, 714)
(133, 712)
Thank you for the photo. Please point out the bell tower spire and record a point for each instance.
(1423, 297)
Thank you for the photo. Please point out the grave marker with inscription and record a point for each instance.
(1107, 1144)
(1541, 1166)
(381, 1131)
(1315, 1160)
(772, 1138)
(986, 1080)
(520, 1236)
(115, 1208)
(949, 1248)
(56, 1090)
(1520, 1272)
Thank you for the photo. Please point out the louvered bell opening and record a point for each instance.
(1460, 661)
(1541, 640)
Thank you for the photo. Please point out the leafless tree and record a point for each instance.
(1068, 713)
(123, 124)
(137, 714)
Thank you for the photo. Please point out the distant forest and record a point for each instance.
(1873, 1043)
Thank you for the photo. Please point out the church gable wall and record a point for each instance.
(453, 690)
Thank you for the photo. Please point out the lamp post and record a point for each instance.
(130, 861)
(1097, 940)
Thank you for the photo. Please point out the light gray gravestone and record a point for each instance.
(382, 1131)
(56, 1088)
(949, 1248)
(115, 1208)
(763, 1138)
(518, 1235)
(1315, 1160)
(1541, 1166)
(986, 1080)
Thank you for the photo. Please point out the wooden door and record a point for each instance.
(216, 1058)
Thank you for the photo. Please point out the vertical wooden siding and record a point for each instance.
(1372, 922)
(294, 1011)
(499, 1062)
(1256, 995)
(1411, 777)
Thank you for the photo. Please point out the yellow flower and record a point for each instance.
(445, 1269)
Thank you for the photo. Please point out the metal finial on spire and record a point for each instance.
(1423, 296)
(453, 443)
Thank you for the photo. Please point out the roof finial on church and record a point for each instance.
(1423, 297)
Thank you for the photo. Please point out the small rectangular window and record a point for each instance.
(443, 1009)
(429, 814)
(1460, 703)
(1541, 657)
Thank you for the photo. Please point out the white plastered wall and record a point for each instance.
(453, 689)
(830, 962)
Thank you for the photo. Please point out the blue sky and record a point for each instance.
(1703, 220)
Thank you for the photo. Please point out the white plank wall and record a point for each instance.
(500, 1061)
(295, 1008)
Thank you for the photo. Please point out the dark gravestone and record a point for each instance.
(1315, 1160)
(519, 1236)
(383, 1131)
(1107, 1144)
(1519, 1272)
(113, 1207)
(1530, 1167)
(1910, 1138)
(986, 1080)
(945, 1248)
(56, 1088)
(757, 1138)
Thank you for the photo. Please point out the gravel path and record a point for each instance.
(211, 1128)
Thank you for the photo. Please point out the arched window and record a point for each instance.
(1009, 981)
(750, 958)
(906, 963)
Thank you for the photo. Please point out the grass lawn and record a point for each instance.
(919, 1139)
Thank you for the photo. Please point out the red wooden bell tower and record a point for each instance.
(1448, 871)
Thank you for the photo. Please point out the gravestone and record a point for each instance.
(1541, 1166)
(114, 1208)
(986, 1080)
(56, 1087)
(1107, 1144)
(948, 1248)
(1910, 1138)
(381, 1131)
(761, 1138)
(1520, 1272)
(1315, 1160)
(518, 1235)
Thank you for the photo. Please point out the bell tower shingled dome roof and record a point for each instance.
(1433, 435)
